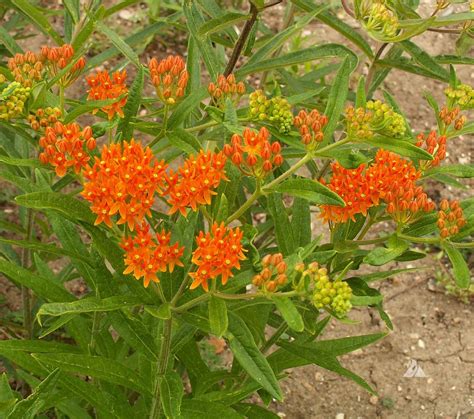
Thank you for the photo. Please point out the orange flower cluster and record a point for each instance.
(26, 68)
(66, 146)
(450, 218)
(434, 145)
(273, 274)
(217, 253)
(390, 178)
(57, 58)
(226, 87)
(255, 155)
(123, 181)
(146, 255)
(170, 77)
(43, 118)
(311, 127)
(194, 182)
(103, 87)
(449, 116)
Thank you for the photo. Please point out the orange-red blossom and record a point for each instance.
(450, 218)
(170, 78)
(195, 181)
(123, 181)
(217, 253)
(273, 274)
(310, 125)
(390, 179)
(435, 145)
(57, 58)
(66, 146)
(103, 87)
(146, 255)
(254, 154)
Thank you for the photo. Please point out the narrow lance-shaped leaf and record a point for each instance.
(171, 394)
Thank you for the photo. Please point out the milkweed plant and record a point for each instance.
(239, 189)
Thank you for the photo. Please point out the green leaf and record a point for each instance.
(424, 59)
(133, 105)
(382, 255)
(301, 221)
(171, 394)
(337, 98)
(462, 274)
(9, 42)
(377, 276)
(12, 161)
(361, 99)
(109, 370)
(399, 146)
(7, 396)
(42, 287)
(248, 355)
(324, 360)
(119, 43)
(37, 18)
(87, 108)
(405, 64)
(67, 205)
(89, 305)
(299, 57)
(283, 230)
(185, 107)
(48, 248)
(163, 312)
(218, 316)
(290, 313)
(453, 19)
(311, 190)
(458, 170)
(31, 406)
(221, 22)
(184, 141)
(197, 409)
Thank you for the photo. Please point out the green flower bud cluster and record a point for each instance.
(276, 110)
(358, 123)
(385, 119)
(333, 295)
(12, 100)
(380, 20)
(462, 95)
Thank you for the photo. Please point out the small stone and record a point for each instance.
(340, 416)
(430, 380)
(125, 14)
(457, 320)
(319, 377)
(281, 415)
(414, 336)
(399, 388)
(422, 407)
(421, 344)
(373, 400)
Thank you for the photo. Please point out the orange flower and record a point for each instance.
(42, 118)
(217, 253)
(66, 146)
(255, 155)
(311, 127)
(450, 218)
(27, 68)
(102, 87)
(226, 87)
(146, 255)
(434, 145)
(123, 181)
(170, 78)
(56, 59)
(390, 178)
(195, 181)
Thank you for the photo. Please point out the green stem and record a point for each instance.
(163, 127)
(61, 98)
(192, 303)
(25, 292)
(273, 338)
(371, 241)
(331, 146)
(288, 173)
(162, 365)
(237, 214)
(372, 68)
(202, 126)
(95, 321)
(419, 239)
(463, 245)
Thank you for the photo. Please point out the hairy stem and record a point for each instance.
(25, 292)
(373, 66)
(242, 40)
(237, 214)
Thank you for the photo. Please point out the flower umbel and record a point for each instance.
(310, 125)
(273, 274)
(450, 218)
(26, 68)
(57, 58)
(277, 110)
(146, 255)
(170, 78)
(254, 154)
(226, 88)
(435, 145)
(217, 253)
(103, 87)
(123, 181)
(66, 146)
(13, 99)
(194, 182)
(42, 118)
